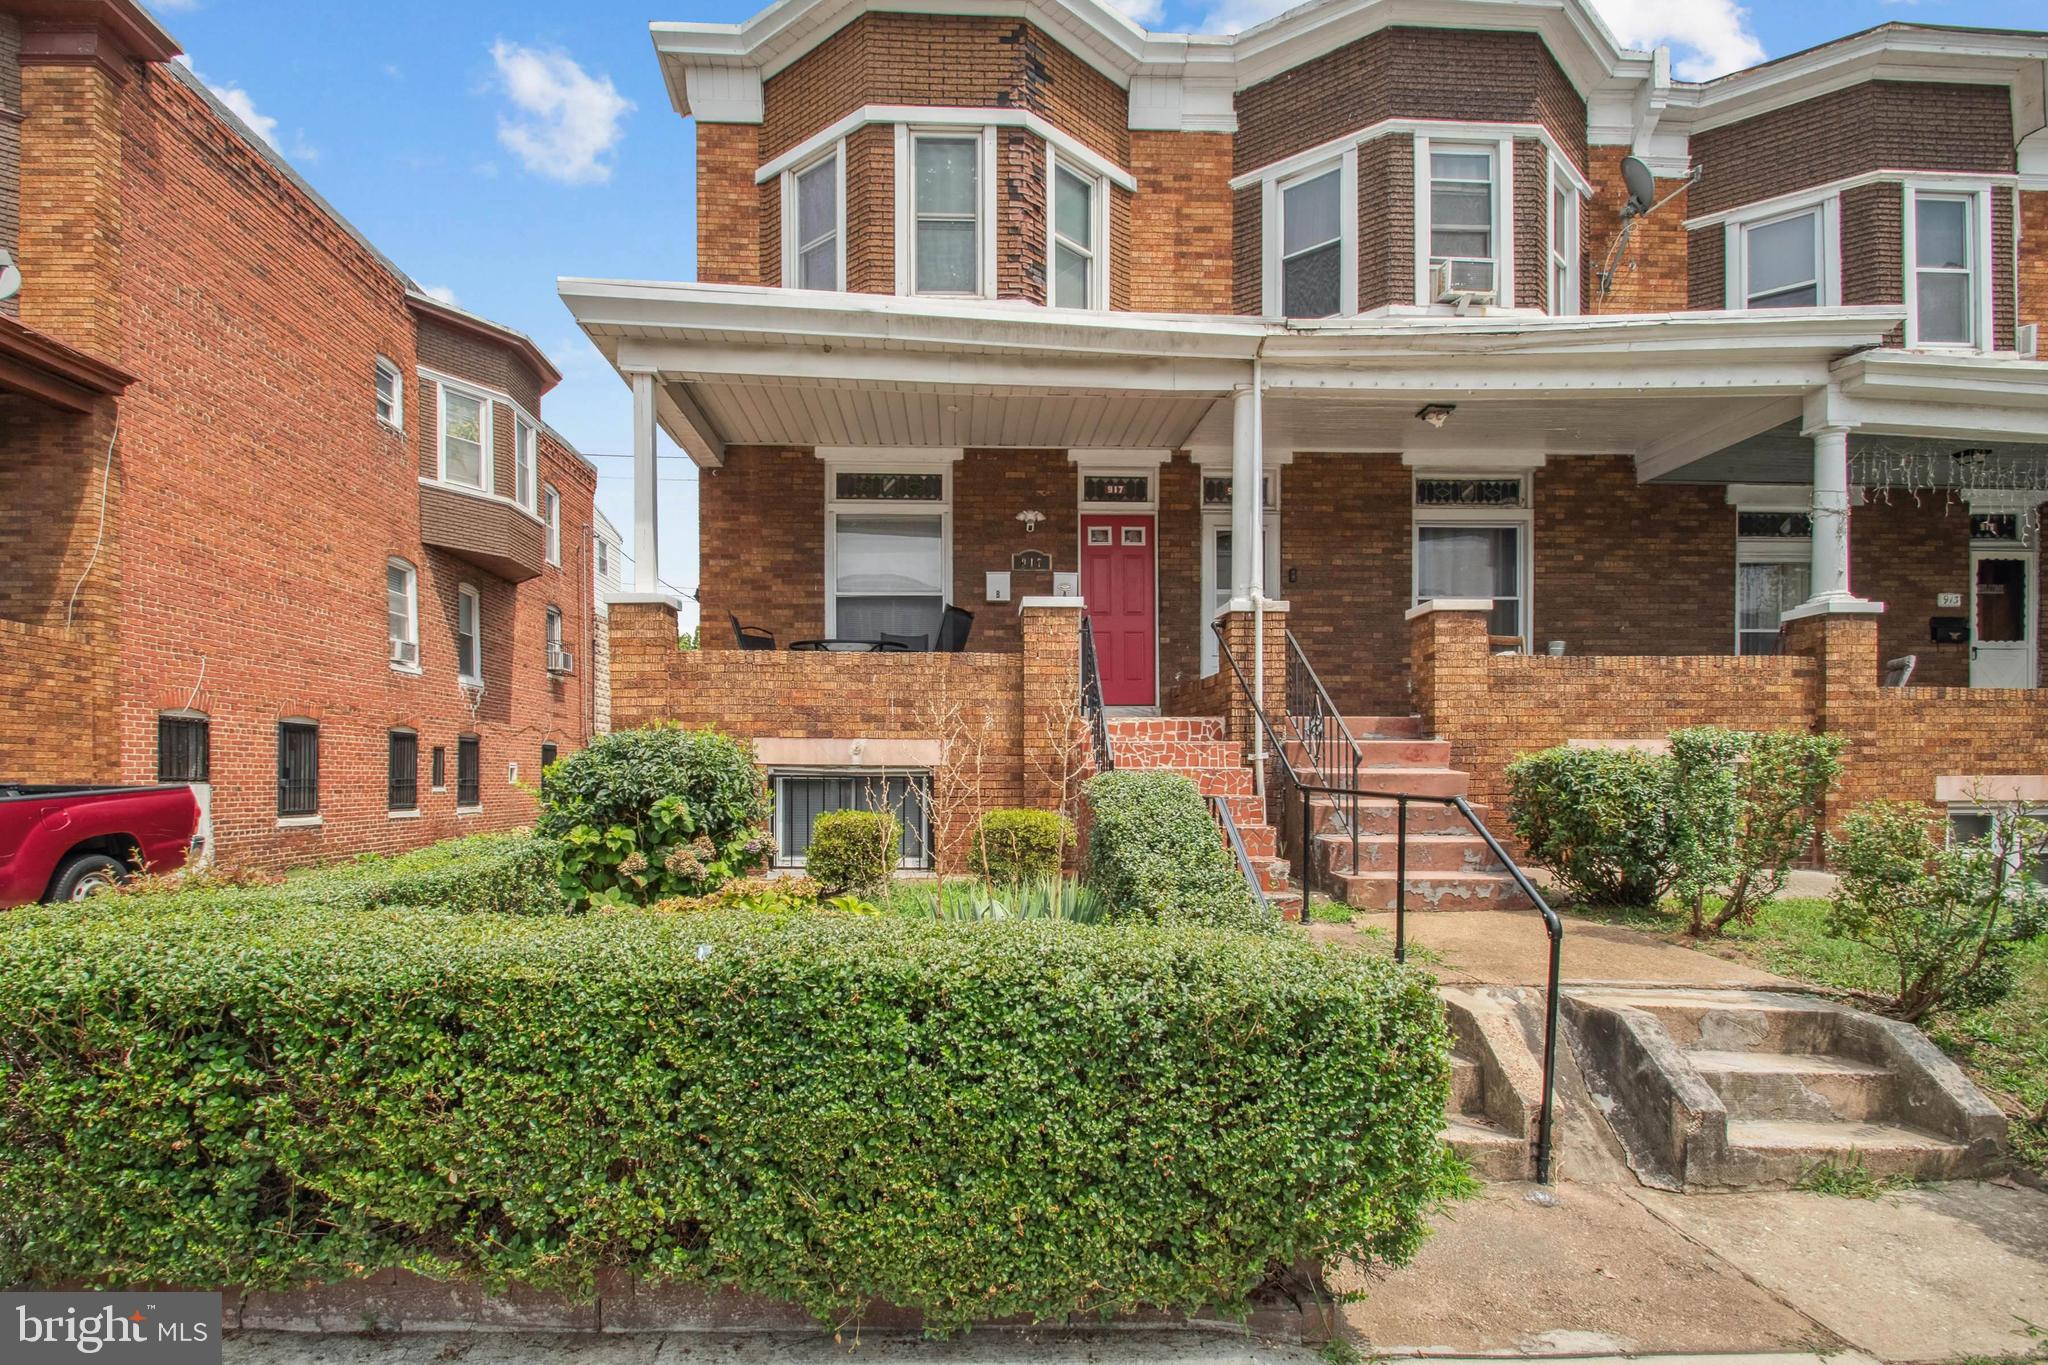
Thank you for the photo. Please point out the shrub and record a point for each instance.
(769, 896)
(1598, 819)
(965, 898)
(1946, 920)
(1013, 846)
(969, 1120)
(854, 850)
(483, 873)
(1155, 854)
(643, 815)
(1744, 807)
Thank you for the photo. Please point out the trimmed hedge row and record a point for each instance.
(496, 873)
(969, 1120)
(1155, 854)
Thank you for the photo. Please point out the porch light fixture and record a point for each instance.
(1436, 414)
(1030, 520)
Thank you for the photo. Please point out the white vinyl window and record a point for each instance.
(1773, 573)
(1783, 261)
(551, 514)
(888, 553)
(390, 394)
(525, 460)
(1312, 245)
(1564, 247)
(402, 606)
(554, 634)
(469, 658)
(814, 223)
(1462, 215)
(1077, 239)
(946, 204)
(1472, 539)
(465, 437)
(1944, 267)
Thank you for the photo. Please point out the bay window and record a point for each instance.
(1312, 245)
(1077, 274)
(1783, 260)
(946, 204)
(888, 553)
(814, 223)
(1564, 248)
(1462, 215)
(465, 437)
(1944, 261)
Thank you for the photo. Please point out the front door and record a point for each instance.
(1118, 583)
(2002, 618)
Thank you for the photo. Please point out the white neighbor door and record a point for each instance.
(2003, 613)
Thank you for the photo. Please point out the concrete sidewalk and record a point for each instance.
(1501, 948)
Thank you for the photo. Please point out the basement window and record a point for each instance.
(402, 787)
(802, 796)
(298, 770)
(183, 747)
(1996, 825)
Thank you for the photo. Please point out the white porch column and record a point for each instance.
(1830, 514)
(646, 519)
(1246, 561)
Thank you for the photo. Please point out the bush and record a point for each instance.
(644, 815)
(1012, 846)
(1155, 854)
(969, 1120)
(483, 873)
(854, 850)
(1744, 807)
(1946, 920)
(1597, 819)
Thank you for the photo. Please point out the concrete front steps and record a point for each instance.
(1754, 1089)
(1449, 866)
(1496, 1083)
(1197, 748)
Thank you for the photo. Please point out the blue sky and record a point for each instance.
(490, 147)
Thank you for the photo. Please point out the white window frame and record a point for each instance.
(442, 388)
(1521, 519)
(1827, 212)
(1273, 236)
(1219, 518)
(551, 632)
(1502, 152)
(1098, 221)
(792, 249)
(1563, 285)
(1768, 549)
(388, 369)
(551, 520)
(467, 597)
(834, 506)
(525, 461)
(984, 138)
(412, 611)
(1996, 814)
(1978, 200)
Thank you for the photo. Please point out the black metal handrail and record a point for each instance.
(1553, 926)
(1221, 806)
(1326, 740)
(1091, 700)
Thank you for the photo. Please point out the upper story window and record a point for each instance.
(1463, 225)
(1312, 245)
(946, 204)
(465, 437)
(469, 641)
(1944, 310)
(814, 223)
(556, 657)
(1782, 260)
(603, 557)
(1078, 277)
(525, 460)
(551, 515)
(1564, 247)
(402, 607)
(390, 394)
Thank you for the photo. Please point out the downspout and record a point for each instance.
(1258, 564)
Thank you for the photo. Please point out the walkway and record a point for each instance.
(1500, 948)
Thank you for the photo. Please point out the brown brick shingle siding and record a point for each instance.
(1386, 201)
(2033, 262)
(730, 210)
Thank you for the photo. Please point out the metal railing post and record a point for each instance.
(1400, 879)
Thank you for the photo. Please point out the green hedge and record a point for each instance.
(1155, 853)
(499, 873)
(1599, 820)
(854, 851)
(970, 1120)
(1021, 845)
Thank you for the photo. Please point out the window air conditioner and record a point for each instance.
(405, 653)
(559, 662)
(1461, 282)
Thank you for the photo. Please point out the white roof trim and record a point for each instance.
(1793, 199)
(1446, 129)
(939, 116)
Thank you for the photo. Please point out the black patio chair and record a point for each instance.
(953, 630)
(913, 644)
(750, 637)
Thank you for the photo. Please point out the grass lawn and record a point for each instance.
(2004, 1047)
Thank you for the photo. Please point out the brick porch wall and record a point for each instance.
(57, 725)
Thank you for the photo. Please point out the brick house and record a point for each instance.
(237, 441)
(1344, 334)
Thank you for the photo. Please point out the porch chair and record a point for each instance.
(750, 637)
(914, 644)
(953, 630)
(1898, 672)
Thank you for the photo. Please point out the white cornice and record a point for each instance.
(932, 116)
(1792, 199)
(1432, 128)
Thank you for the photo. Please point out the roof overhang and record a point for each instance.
(497, 334)
(43, 368)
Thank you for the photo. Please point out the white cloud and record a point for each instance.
(1708, 37)
(1147, 12)
(567, 119)
(243, 106)
(1232, 16)
(441, 293)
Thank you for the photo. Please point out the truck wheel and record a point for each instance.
(87, 873)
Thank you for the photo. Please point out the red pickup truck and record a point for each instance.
(63, 843)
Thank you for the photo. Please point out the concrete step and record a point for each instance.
(1467, 1081)
(1176, 753)
(1261, 840)
(1388, 727)
(1426, 853)
(1381, 817)
(1166, 727)
(1373, 753)
(1797, 1085)
(1781, 1151)
(1491, 1152)
(1274, 873)
(1433, 891)
(1414, 781)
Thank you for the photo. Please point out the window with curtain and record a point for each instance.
(1073, 240)
(889, 574)
(1312, 246)
(1473, 561)
(465, 432)
(1461, 213)
(946, 189)
(1773, 574)
(1781, 262)
(817, 224)
(1944, 283)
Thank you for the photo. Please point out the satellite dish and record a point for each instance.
(10, 275)
(1642, 185)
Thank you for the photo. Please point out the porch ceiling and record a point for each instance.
(1785, 455)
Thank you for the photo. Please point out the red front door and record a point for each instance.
(1118, 584)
